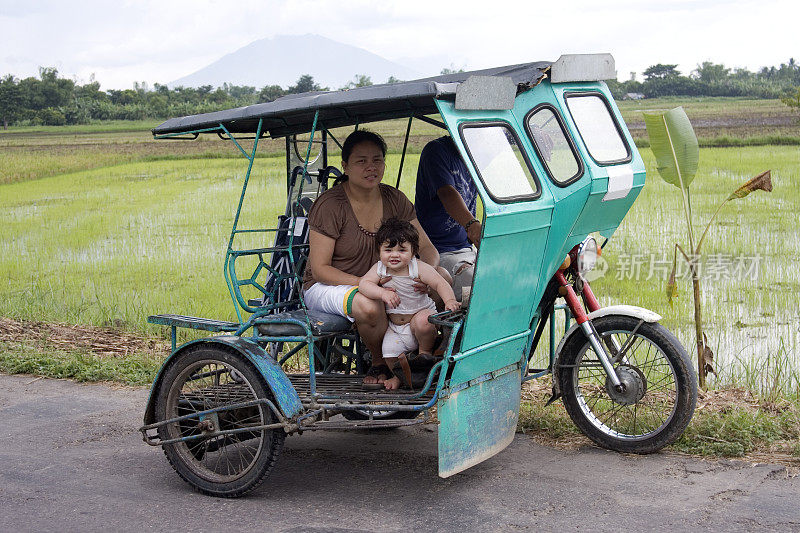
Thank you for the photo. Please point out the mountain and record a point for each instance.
(284, 58)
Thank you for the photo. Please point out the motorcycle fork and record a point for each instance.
(591, 303)
(568, 292)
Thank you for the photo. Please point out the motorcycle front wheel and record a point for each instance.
(660, 387)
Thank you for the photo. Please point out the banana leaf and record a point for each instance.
(674, 145)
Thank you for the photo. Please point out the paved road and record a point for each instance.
(71, 459)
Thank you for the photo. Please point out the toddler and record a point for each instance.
(407, 309)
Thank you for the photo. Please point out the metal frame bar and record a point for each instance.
(432, 121)
(403, 157)
(229, 252)
(552, 347)
(156, 441)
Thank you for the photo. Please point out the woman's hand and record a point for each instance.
(420, 286)
(452, 305)
(390, 298)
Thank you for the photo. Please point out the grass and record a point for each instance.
(32, 153)
(134, 369)
(98, 126)
(118, 243)
(738, 431)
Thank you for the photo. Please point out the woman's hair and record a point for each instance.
(395, 231)
(358, 137)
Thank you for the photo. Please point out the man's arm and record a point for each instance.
(427, 251)
(458, 211)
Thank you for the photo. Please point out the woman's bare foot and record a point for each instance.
(393, 383)
(376, 376)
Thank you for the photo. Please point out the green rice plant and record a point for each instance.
(638, 258)
(674, 145)
(771, 376)
(97, 126)
(117, 244)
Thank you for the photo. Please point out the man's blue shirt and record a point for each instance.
(440, 164)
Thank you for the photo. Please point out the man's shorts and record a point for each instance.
(332, 299)
(461, 266)
(398, 339)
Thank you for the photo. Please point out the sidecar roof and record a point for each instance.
(295, 113)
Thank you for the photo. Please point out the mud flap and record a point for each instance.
(478, 419)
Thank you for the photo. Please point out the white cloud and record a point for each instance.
(160, 41)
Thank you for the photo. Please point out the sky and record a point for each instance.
(120, 42)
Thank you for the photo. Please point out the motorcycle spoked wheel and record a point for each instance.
(660, 394)
(226, 465)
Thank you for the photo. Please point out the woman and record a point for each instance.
(343, 222)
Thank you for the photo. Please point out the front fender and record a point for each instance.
(624, 310)
(286, 397)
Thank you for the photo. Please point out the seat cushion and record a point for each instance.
(321, 323)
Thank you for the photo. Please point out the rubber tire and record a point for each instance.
(272, 439)
(681, 371)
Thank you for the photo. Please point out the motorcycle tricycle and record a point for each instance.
(556, 170)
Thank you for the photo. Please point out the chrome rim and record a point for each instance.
(650, 400)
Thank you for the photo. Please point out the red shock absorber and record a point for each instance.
(589, 298)
(574, 303)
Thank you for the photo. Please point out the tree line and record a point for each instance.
(54, 100)
(712, 79)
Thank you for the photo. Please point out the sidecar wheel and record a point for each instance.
(660, 394)
(227, 465)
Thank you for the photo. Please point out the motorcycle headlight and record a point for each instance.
(588, 252)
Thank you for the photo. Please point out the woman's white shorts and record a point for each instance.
(332, 299)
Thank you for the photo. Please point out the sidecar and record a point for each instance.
(553, 162)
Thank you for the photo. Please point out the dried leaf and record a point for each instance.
(672, 286)
(762, 182)
(708, 358)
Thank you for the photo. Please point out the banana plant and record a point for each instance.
(677, 154)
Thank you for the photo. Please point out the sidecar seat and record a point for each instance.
(282, 284)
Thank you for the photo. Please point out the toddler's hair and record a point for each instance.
(395, 231)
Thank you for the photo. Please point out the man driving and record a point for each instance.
(445, 204)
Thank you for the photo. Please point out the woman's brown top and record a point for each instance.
(355, 250)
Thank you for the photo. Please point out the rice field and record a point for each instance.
(750, 283)
(145, 233)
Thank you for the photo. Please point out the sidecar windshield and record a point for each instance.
(553, 146)
(501, 165)
(598, 129)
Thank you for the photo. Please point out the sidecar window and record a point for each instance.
(553, 146)
(598, 129)
(502, 166)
